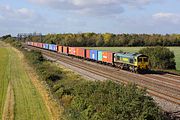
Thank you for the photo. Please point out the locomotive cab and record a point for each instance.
(143, 62)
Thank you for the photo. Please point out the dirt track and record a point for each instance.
(8, 112)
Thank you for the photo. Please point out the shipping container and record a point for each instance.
(108, 57)
(40, 45)
(53, 47)
(94, 55)
(60, 49)
(35, 44)
(87, 54)
(31, 43)
(72, 50)
(80, 52)
(45, 46)
(65, 49)
(100, 55)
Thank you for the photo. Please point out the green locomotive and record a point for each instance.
(133, 62)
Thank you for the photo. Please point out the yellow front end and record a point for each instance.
(143, 63)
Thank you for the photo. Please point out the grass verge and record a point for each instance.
(28, 101)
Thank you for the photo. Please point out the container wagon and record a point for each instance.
(35, 44)
(72, 51)
(30, 43)
(65, 50)
(108, 57)
(40, 45)
(60, 49)
(94, 55)
(80, 52)
(100, 55)
(88, 54)
(45, 46)
(52, 47)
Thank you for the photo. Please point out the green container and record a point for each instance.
(99, 55)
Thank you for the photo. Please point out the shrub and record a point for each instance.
(110, 101)
(45, 70)
(160, 57)
(12, 41)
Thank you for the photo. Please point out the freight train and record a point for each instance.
(133, 62)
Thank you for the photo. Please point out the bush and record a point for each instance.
(12, 41)
(110, 101)
(45, 70)
(160, 57)
(6, 36)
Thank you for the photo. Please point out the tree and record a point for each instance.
(6, 36)
(160, 57)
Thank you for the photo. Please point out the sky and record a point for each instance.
(99, 16)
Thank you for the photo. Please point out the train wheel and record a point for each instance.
(135, 70)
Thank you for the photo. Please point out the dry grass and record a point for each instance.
(51, 104)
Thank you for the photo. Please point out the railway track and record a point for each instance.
(162, 86)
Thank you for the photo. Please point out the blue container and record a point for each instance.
(53, 47)
(45, 46)
(94, 55)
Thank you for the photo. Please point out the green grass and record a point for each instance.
(29, 104)
(136, 49)
(177, 56)
(4, 78)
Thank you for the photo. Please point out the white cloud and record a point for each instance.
(14, 20)
(167, 17)
(91, 3)
(21, 14)
(97, 7)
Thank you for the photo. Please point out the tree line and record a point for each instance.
(109, 39)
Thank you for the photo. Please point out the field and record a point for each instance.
(136, 49)
(19, 99)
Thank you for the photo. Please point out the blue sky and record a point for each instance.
(100, 16)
